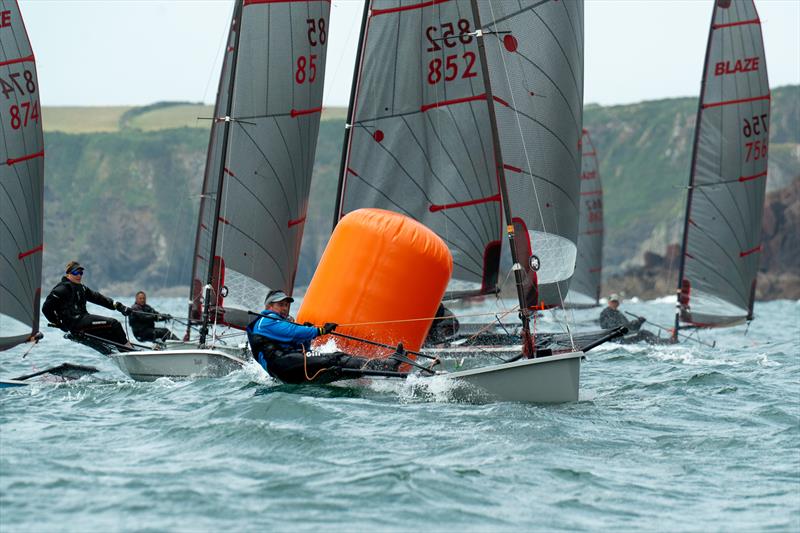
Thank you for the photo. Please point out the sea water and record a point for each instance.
(681, 437)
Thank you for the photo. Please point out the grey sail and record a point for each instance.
(420, 141)
(21, 182)
(722, 231)
(584, 290)
(258, 172)
(534, 53)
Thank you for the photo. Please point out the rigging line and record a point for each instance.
(222, 44)
(403, 320)
(528, 162)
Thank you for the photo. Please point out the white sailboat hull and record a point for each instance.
(553, 379)
(185, 363)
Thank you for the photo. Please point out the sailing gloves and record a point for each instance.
(119, 306)
(327, 328)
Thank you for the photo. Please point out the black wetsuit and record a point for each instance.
(143, 323)
(65, 307)
(445, 325)
(613, 318)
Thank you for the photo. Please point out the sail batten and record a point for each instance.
(722, 231)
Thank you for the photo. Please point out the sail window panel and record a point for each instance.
(421, 139)
(728, 182)
(21, 183)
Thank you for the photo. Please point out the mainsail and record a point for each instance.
(419, 140)
(722, 230)
(21, 182)
(260, 156)
(534, 52)
(584, 290)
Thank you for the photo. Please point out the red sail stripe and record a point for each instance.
(593, 232)
(591, 193)
(13, 161)
(376, 12)
(589, 153)
(501, 101)
(204, 226)
(228, 172)
(18, 60)
(300, 112)
(426, 107)
(740, 23)
(750, 251)
(433, 208)
(687, 254)
(755, 176)
(740, 101)
(512, 169)
(296, 221)
(353, 172)
(224, 220)
(252, 2)
(23, 255)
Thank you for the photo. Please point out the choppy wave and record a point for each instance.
(679, 437)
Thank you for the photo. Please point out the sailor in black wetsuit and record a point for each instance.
(65, 307)
(611, 317)
(143, 321)
(445, 325)
(282, 347)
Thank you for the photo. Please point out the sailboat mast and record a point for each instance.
(693, 167)
(237, 14)
(348, 125)
(524, 313)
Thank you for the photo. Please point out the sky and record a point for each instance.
(136, 52)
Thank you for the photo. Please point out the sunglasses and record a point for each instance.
(78, 272)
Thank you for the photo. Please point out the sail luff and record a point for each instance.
(524, 312)
(236, 27)
(337, 208)
(21, 183)
(195, 288)
(692, 165)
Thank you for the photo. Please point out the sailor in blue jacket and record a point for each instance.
(283, 347)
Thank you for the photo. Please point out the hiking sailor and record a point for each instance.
(65, 307)
(445, 325)
(143, 321)
(611, 317)
(282, 347)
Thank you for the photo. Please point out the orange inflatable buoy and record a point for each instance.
(381, 278)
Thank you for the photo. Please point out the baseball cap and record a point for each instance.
(277, 296)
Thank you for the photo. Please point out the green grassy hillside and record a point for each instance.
(122, 184)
